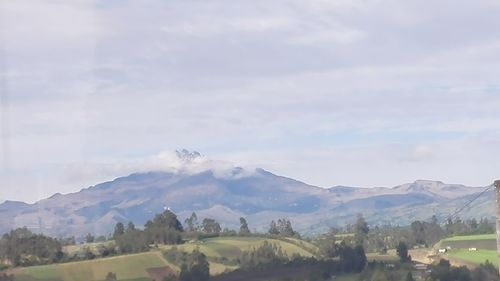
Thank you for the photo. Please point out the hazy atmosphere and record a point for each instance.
(357, 93)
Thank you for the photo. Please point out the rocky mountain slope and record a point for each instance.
(229, 193)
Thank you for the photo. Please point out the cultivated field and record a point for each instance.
(459, 253)
(139, 267)
(127, 267)
(475, 257)
(232, 247)
(483, 241)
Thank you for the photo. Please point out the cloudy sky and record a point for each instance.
(349, 92)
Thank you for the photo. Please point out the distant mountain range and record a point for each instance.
(229, 193)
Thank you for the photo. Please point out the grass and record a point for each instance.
(472, 237)
(476, 257)
(126, 267)
(232, 247)
(482, 241)
(133, 267)
(247, 243)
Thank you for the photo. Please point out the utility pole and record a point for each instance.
(497, 201)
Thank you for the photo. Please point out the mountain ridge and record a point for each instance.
(225, 195)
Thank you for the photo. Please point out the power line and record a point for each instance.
(469, 202)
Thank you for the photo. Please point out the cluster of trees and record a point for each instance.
(268, 254)
(469, 226)
(165, 228)
(282, 227)
(419, 233)
(402, 251)
(23, 248)
(443, 271)
(212, 227)
(195, 267)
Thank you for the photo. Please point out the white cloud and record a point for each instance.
(300, 87)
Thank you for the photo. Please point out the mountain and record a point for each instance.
(227, 193)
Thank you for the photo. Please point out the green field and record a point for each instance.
(472, 237)
(475, 257)
(134, 267)
(127, 267)
(483, 242)
(234, 246)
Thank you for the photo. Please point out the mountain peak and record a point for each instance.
(188, 156)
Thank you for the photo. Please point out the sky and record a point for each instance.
(339, 92)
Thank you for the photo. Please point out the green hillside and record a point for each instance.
(127, 267)
(138, 267)
(475, 257)
(482, 241)
(459, 248)
(232, 247)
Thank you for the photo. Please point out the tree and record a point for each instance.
(196, 268)
(89, 255)
(132, 241)
(352, 259)
(485, 272)
(164, 228)
(361, 230)
(328, 245)
(192, 223)
(244, 227)
(130, 226)
(434, 219)
(168, 220)
(89, 238)
(119, 230)
(268, 254)
(273, 228)
(443, 271)
(23, 248)
(402, 251)
(285, 228)
(418, 232)
(210, 226)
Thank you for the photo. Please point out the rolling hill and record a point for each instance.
(143, 266)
